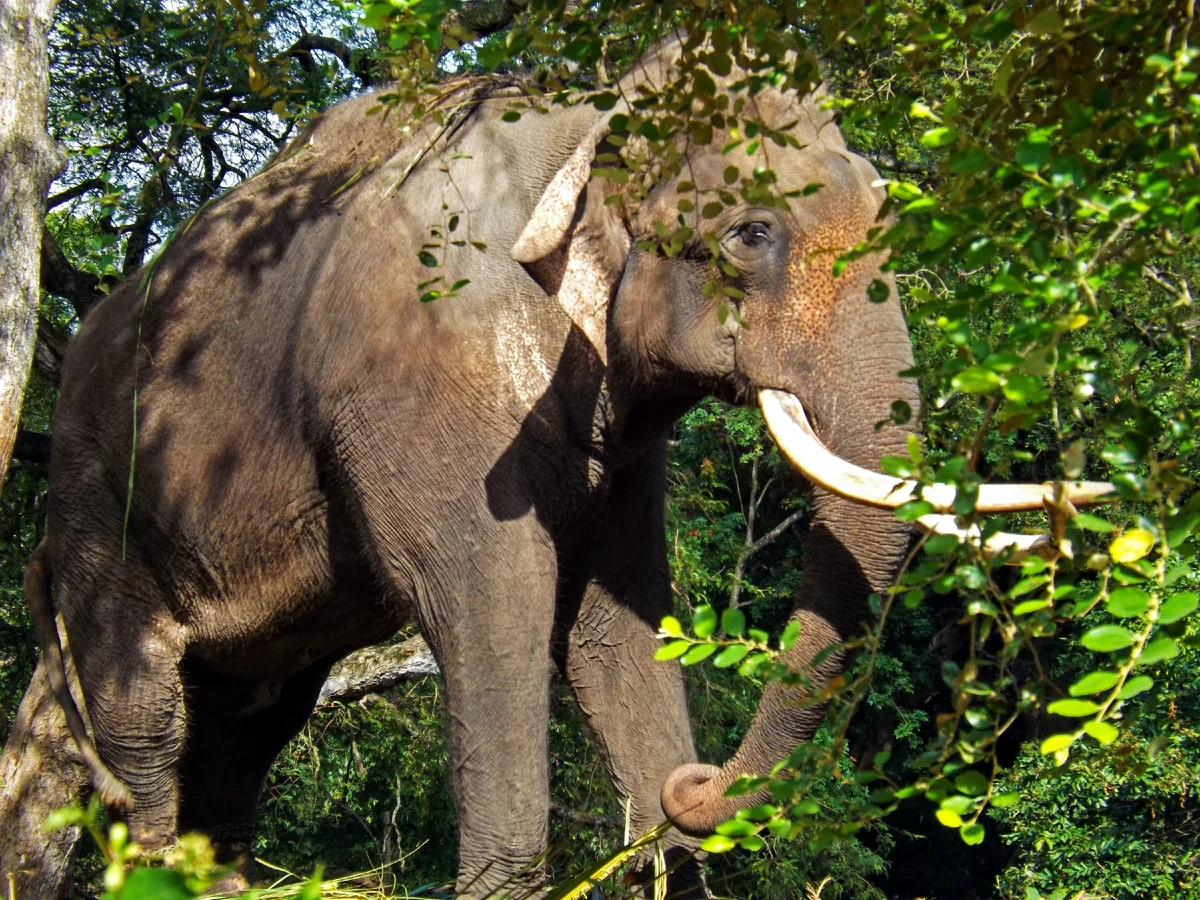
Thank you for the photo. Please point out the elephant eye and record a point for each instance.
(754, 234)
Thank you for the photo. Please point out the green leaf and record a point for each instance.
(1131, 546)
(704, 621)
(733, 622)
(511, 116)
(672, 650)
(1094, 683)
(790, 633)
(1103, 732)
(736, 828)
(971, 834)
(1000, 801)
(1032, 153)
(698, 653)
(975, 380)
(1138, 684)
(949, 818)
(1158, 650)
(1075, 709)
(671, 625)
(752, 843)
(971, 783)
(1056, 742)
(939, 137)
(730, 655)
(752, 664)
(899, 467)
(1177, 607)
(878, 291)
(1089, 522)
(1106, 638)
(912, 510)
(155, 884)
(1028, 606)
(427, 259)
(717, 843)
(1127, 602)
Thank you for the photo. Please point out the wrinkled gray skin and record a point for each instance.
(320, 460)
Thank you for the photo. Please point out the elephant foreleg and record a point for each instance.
(634, 706)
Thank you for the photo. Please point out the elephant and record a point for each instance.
(267, 453)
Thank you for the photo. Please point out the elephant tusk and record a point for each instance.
(1023, 546)
(790, 428)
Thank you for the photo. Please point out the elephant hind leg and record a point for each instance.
(228, 756)
(127, 650)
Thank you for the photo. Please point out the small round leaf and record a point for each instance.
(1177, 607)
(1093, 683)
(971, 834)
(1101, 731)
(1105, 638)
(1127, 602)
(1131, 546)
(1075, 709)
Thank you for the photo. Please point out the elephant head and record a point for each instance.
(805, 340)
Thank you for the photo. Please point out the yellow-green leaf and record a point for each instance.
(1101, 731)
(1073, 708)
(949, 818)
(1093, 683)
(1057, 742)
(1131, 546)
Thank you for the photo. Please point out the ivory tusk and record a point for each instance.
(1023, 545)
(795, 437)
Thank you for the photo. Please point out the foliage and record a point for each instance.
(1042, 175)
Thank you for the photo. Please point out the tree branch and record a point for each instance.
(477, 19)
(78, 190)
(888, 161)
(375, 669)
(59, 277)
(50, 350)
(307, 43)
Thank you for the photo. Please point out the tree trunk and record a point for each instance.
(29, 160)
(41, 771)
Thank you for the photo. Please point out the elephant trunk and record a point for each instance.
(852, 551)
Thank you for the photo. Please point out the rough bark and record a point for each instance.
(29, 160)
(40, 771)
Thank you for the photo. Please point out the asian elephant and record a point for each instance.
(267, 453)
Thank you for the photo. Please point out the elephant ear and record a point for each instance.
(573, 245)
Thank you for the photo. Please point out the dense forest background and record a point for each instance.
(1043, 168)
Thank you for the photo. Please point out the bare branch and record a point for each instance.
(50, 350)
(477, 19)
(892, 164)
(78, 190)
(59, 277)
(560, 811)
(375, 669)
(307, 43)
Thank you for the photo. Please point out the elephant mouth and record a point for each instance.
(796, 439)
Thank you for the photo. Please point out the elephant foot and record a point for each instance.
(233, 851)
(232, 885)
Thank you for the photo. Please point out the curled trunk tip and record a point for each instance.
(693, 798)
